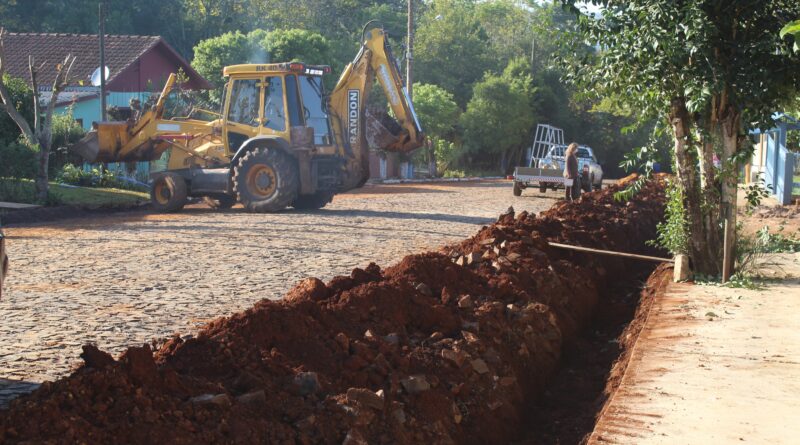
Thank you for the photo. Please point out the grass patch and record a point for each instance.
(23, 191)
(470, 173)
(795, 186)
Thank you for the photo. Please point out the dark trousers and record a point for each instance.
(573, 192)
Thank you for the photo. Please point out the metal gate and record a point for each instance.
(546, 137)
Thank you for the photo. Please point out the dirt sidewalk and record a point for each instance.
(713, 365)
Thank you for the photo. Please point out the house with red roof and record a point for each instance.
(138, 66)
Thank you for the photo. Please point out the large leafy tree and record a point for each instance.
(438, 114)
(710, 70)
(500, 115)
(452, 48)
(258, 46)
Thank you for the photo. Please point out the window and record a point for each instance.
(316, 117)
(244, 102)
(293, 102)
(274, 117)
(584, 153)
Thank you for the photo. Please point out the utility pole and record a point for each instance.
(102, 16)
(410, 49)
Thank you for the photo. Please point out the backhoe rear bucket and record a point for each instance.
(384, 133)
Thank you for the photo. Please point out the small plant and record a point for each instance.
(755, 193)
(673, 234)
(777, 242)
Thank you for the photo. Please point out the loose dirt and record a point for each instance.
(443, 347)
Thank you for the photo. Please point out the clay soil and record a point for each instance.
(444, 347)
(593, 365)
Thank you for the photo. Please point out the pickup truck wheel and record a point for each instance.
(265, 180)
(168, 193)
(517, 189)
(220, 202)
(313, 202)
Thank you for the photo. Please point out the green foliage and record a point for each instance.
(258, 46)
(673, 233)
(777, 242)
(792, 28)
(656, 50)
(296, 45)
(755, 192)
(22, 96)
(451, 47)
(96, 177)
(19, 161)
(19, 165)
(212, 55)
(437, 110)
(500, 115)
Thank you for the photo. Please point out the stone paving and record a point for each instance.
(126, 279)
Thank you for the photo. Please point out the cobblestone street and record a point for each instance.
(125, 279)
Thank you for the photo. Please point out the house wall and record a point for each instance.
(88, 111)
(148, 73)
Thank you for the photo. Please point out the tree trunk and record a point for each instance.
(702, 244)
(730, 179)
(431, 158)
(503, 162)
(42, 184)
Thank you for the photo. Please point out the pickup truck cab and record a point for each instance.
(590, 170)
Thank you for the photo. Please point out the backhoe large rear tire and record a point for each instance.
(168, 193)
(266, 180)
(313, 202)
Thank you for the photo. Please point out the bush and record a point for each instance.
(18, 165)
(96, 177)
(18, 161)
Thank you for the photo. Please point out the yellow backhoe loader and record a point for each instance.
(279, 141)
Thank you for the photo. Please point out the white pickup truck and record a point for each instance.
(588, 166)
(549, 174)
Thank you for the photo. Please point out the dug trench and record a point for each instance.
(444, 347)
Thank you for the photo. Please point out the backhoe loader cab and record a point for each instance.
(270, 99)
(279, 140)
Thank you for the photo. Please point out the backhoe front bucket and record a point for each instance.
(384, 133)
(106, 143)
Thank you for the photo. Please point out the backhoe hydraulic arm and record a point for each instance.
(359, 128)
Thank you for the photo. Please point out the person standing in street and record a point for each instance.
(573, 191)
(3, 261)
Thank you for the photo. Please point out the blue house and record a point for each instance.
(773, 160)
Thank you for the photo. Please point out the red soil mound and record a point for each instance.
(444, 347)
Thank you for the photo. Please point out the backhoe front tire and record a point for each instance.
(313, 202)
(265, 180)
(168, 193)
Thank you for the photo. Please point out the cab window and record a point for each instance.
(274, 116)
(316, 117)
(244, 102)
(293, 102)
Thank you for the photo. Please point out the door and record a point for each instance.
(243, 117)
